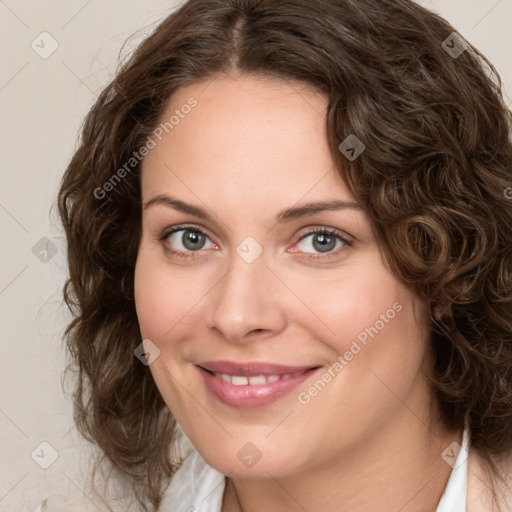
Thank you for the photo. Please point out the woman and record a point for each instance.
(289, 238)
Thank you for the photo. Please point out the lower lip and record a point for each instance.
(249, 397)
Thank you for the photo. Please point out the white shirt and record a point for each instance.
(197, 487)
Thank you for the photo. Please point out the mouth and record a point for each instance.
(255, 380)
(253, 369)
(249, 385)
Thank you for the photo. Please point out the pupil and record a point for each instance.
(324, 243)
(192, 240)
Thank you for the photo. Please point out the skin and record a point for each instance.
(369, 440)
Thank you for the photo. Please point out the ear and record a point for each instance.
(436, 312)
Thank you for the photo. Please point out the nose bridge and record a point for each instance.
(241, 302)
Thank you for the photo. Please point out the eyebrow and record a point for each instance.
(285, 215)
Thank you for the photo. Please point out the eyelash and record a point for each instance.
(311, 256)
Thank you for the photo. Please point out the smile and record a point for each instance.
(251, 385)
(240, 380)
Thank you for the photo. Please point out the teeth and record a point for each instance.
(239, 380)
(258, 379)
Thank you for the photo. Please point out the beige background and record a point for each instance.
(43, 102)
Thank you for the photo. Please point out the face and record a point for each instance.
(223, 275)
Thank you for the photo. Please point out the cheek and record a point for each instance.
(164, 316)
(167, 302)
(151, 302)
(344, 304)
(368, 318)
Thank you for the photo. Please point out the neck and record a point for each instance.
(392, 469)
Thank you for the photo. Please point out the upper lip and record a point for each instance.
(251, 369)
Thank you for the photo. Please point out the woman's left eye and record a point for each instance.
(325, 241)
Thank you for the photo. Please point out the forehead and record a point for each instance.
(245, 137)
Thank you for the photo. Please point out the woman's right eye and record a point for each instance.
(185, 241)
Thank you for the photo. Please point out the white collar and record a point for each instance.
(197, 487)
(454, 495)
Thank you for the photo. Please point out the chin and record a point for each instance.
(244, 460)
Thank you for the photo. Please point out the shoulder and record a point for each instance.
(78, 500)
(70, 503)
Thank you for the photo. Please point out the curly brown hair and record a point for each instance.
(433, 178)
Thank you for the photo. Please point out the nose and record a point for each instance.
(247, 303)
